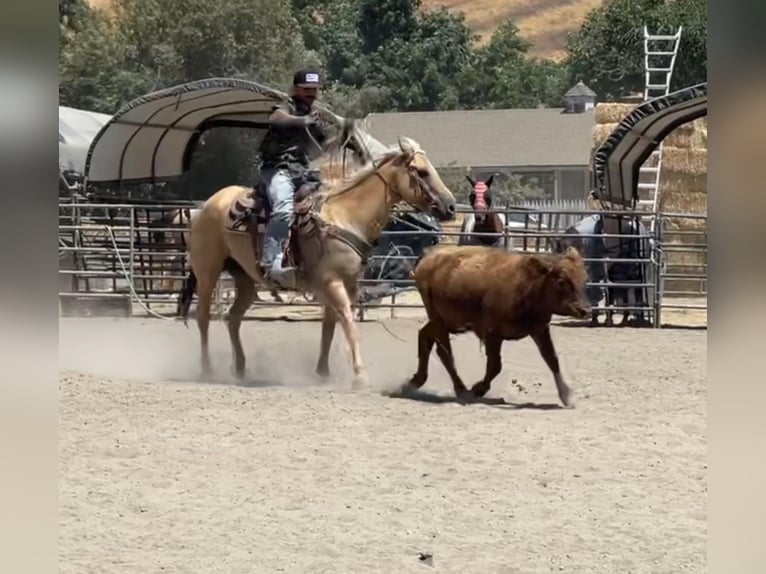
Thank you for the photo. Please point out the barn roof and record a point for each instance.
(545, 138)
(580, 90)
(151, 138)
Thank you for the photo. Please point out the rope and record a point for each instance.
(129, 279)
(390, 332)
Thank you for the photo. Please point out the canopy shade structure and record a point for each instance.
(151, 138)
(617, 161)
(77, 129)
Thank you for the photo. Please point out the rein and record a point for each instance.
(361, 246)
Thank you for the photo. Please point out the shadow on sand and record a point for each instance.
(257, 383)
(430, 398)
(248, 383)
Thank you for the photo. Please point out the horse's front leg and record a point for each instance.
(328, 332)
(340, 302)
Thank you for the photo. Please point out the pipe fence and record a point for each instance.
(129, 258)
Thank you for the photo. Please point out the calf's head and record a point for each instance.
(565, 280)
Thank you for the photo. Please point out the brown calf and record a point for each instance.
(499, 296)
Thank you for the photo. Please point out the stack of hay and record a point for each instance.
(683, 179)
(683, 189)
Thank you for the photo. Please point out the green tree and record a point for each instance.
(154, 44)
(607, 53)
(72, 15)
(422, 72)
(502, 76)
(380, 21)
(95, 68)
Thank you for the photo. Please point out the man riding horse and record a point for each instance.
(294, 137)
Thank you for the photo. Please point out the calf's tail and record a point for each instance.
(186, 295)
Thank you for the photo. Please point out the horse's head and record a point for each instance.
(417, 182)
(480, 196)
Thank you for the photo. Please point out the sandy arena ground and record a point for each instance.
(162, 474)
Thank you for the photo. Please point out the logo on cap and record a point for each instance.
(312, 78)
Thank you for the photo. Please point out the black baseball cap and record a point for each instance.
(308, 78)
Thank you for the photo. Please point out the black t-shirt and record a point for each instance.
(285, 145)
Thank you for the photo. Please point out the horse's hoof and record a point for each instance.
(360, 382)
(408, 388)
(479, 390)
(323, 372)
(239, 373)
(566, 398)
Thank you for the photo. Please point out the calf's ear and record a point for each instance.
(540, 266)
(572, 253)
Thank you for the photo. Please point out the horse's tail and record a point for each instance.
(186, 295)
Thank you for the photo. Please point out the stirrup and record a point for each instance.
(284, 278)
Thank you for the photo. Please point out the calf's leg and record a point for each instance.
(494, 366)
(444, 350)
(545, 344)
(432, 333)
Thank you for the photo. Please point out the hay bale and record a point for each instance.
(684, 161)
(690, 136)
(684, 203)
(683, 183)
(612, 113)
(601, 132)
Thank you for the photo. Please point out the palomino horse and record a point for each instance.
(481, 227)
(333, 233)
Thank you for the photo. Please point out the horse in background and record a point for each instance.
(482, 227)
(600, 248)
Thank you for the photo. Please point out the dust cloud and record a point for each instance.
(154, 350)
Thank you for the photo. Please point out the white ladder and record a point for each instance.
(660, 53)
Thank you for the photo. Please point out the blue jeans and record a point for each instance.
(281, 191)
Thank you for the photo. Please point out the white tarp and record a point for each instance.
(77, 129)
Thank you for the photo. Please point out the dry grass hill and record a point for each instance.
(545, 23)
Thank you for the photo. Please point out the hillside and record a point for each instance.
(544, 23)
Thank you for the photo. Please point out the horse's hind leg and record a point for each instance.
(245, 295)
(205, 289)
(328, 332)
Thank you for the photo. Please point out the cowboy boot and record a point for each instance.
(274, 274)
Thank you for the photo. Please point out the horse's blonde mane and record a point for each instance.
(369, 168)
(333, 156)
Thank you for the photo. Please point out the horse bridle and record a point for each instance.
(417, 182)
